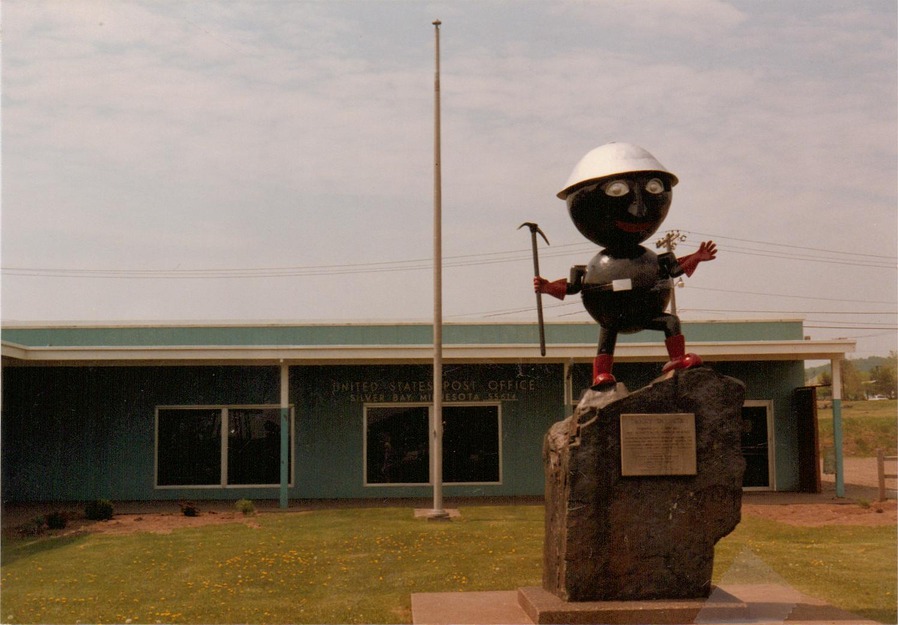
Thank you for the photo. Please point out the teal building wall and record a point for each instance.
(81, 431)
(330, 428)
(557, 334)
(775, 380)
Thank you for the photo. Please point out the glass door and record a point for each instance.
(757, 444)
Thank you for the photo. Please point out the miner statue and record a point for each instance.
(617, 196)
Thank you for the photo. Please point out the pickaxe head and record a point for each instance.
(534, 229)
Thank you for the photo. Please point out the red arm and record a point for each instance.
(706, 251)
(556, 289)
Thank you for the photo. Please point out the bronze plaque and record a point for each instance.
(657, 444)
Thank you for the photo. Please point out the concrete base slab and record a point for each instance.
(429, 514)
(544, 607)
(765, 604)
(468, 608)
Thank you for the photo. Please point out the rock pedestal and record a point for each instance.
(611, 536)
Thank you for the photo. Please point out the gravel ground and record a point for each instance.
(862, 476)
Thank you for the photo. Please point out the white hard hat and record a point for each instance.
(612, 159)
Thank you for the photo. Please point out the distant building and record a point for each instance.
(196, 411)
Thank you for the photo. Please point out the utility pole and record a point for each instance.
(670, 241)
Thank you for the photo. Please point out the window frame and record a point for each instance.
(430, 424)
(224, 410)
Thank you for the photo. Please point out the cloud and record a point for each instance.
(693, 20)
(168, 134)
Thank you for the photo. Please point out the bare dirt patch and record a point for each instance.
(800, 514)
(820, 514)
(158, 523)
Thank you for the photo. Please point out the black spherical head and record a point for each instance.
(622, 210)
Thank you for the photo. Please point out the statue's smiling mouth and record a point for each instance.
(628, 226)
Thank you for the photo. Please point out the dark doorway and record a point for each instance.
(804, 413)
(756, 445)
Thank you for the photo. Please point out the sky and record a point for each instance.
(210, 160)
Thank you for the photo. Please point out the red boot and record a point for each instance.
(601, 371)
(679, 359)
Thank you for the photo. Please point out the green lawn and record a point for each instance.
(851, 567)
(362, 565)
(866, 427)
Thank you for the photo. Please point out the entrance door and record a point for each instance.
(757, 444)
(804, 412)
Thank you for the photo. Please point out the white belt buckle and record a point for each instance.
(624, 284)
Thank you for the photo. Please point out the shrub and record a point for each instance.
(57, 520)
(34, 527)
(188, 508)
(98, 510)
(245, 506)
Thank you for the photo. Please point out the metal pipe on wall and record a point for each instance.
(285, 435)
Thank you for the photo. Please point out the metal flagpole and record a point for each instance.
(436, 471)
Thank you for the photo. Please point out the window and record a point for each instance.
(254, 446)
(220, 446)
(470, 444)
(188, 447)
(397, 444)
(397, 450)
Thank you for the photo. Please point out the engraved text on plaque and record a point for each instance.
(657, 444)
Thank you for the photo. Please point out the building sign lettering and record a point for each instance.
(402, 391)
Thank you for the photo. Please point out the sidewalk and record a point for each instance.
(861, 480)
(861, 484)
(765, 604)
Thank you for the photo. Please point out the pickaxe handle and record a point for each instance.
(534, 229)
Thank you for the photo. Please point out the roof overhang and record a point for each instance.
(21, 355)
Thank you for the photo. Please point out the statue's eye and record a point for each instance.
(617, 188)
(654, 186)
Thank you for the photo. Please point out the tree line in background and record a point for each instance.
(869, 378)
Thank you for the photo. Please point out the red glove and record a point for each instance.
(706, 251)
(556, 289)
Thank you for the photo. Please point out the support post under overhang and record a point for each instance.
(836, 365)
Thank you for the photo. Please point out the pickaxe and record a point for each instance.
(539, 298)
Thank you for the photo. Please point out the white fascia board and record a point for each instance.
(626, 352)
(14, 350)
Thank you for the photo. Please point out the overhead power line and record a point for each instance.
(575, 302)
(790, 296)
(417, 264)
(826, 261)
(420, 264)
(891, 313)
(852, 253)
